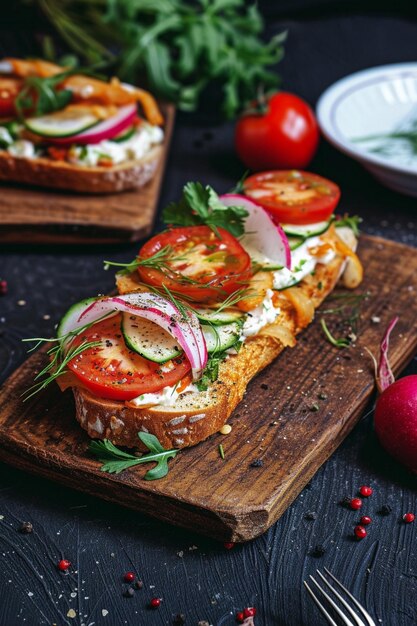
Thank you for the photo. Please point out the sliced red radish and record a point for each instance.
(104, 130)
(262, 237)
(151, 307)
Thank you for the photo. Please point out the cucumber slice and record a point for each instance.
(295, 242)
(148, 339)
(72, 315)
(218, 319)
(309, 230)
(125, 135)
(220, 338)
(62, 123)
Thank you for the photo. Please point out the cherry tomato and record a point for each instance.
(293, 197)
(285, 135)
(112, 371)
(201, 265)
(9, 89)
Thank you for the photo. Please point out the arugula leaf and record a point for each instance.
(352, 221)
(116, 460)
(201, 205)
(177, 45)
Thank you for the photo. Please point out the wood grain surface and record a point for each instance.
(228, 499)
(39, 215)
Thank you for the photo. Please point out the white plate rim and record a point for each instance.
(338, 89)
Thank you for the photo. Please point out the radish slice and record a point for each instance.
(385, 377)
(154, 308)
(261, 234)
(104, 130)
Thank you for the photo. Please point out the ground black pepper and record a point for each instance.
(129, 592)
(264, 386)
(318, 551)
(385, 510)
(310, 516)
(257, 463)
(26, 528)
(179, 619)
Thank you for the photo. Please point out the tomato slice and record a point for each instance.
(201, 265)
(112, 371)
(293, 196)
(9, 89)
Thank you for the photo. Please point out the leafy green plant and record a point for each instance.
(179, 46)
(116, 460)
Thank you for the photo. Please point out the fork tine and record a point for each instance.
(360, 608)
(357, 619)
(319, 604)
(345, 619)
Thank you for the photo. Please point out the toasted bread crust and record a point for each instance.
(187, 424)
(62, 175)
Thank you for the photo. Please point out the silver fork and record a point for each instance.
(343, 615)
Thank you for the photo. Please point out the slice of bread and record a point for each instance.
(197, 415)
(62, 175)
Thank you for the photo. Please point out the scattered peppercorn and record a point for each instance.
(139, 584)
(318, 551)
(63, 565)
(345, 502)
(229, 545)
(3, 287)
(360, 532)
(409, 517)
(310, 516)
(366, 520)
(179, 619)
(322, 396)
(155, 603)
(257, 463)
(366, 491)
(264, 386)
(355, 504)
(385, 510)
(129, 577)
(26, 528)
(314, 407)
(129, 592)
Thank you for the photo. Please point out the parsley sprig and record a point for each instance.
(116, 460)
(201, 205)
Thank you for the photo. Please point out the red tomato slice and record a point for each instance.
(293, 196)
(201, 265)
(113, 371)
(9, 89)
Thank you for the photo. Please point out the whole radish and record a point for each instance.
(396, 420)
(396, 410)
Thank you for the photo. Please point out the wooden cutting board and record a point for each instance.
(228, 499)
(38, 215)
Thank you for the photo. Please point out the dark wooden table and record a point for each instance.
(193, 575)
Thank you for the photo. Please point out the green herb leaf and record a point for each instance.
(116, 460)
(352, 221)
(177, 45)
(338, 343)
(201, 205)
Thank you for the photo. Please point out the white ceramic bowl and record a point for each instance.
(371, 103)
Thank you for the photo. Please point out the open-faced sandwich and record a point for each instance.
(67, 129)
(206, 305)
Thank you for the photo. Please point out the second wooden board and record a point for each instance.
(38, 215)
(228, 498)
